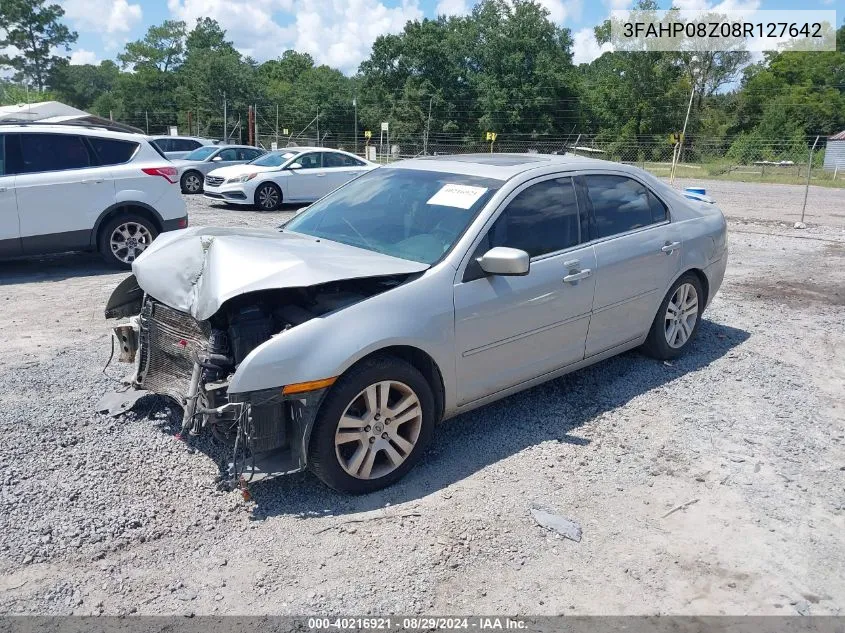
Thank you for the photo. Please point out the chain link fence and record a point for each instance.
(743, 157)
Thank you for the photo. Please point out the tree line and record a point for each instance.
(506, 67)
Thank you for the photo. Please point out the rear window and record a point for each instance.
(112, 151)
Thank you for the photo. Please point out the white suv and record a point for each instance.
(72, 188)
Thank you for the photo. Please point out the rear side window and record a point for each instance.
(2, 154)
(52, 152)
(161, 144)
(111, 151)
(249, 154)
(541, 219)
(621, 204)
(331, 159)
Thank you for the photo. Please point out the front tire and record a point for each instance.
(268, 197)
(677, 320)
(124, 237)
(191, 182)
(373, 426)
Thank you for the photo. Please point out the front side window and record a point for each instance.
(541, 219)
(52, 152)
(112, 151)
(2, 155)
(184, 144)
(412, 214)
(229, 154)
(163, 144)
(310, 161)
(622, 204)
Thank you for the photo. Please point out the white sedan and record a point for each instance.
(300, 174)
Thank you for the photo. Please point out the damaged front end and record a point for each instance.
(193, 361)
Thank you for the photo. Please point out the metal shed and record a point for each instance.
(834, 154)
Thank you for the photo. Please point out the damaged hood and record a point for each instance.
(196, 270)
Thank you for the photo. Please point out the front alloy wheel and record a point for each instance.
(268, 197)
(372, 426)
(378, 430)
(191, 182)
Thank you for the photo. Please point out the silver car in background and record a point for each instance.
(196, 165)
(415, 292)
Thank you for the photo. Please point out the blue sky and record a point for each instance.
(335, 32)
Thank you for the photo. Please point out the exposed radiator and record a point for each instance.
(170, 341)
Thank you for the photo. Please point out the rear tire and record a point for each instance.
(268, 197)
(191, 182)
(124, 237)
(387, 411)
(677, 320)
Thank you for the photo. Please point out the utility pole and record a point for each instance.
(355, 106)
(190, 122)
(255, 123)
(318, 126)
(225, 121)
(427, 128)
(250, 125)
(147, 119)
(277, 126)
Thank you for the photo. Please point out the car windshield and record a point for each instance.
(273, 159)
(201, 153)
(412, 214)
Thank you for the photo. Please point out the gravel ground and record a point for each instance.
(745, 433)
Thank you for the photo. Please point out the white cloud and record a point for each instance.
(452, 7)
(619, 5)
(586, 48)
(562, 10)
(339, 33)
(81, 56)
(103, 16)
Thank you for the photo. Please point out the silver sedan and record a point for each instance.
(194, 167)
(414, 293)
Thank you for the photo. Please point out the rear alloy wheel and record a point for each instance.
(192, 182)
(124, 238)
(372, 427)
(268, 197)
(677, 320)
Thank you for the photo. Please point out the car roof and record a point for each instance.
(59, 128)
(499, 166)
(234, 147)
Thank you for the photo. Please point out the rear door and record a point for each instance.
(341, 168)
(510, 329)
(637, 255)
(10, 230)
(60, 189)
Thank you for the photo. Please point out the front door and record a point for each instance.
(60, 192)
(637, 256)
(512, 329)
(309, 182)
(10, 230)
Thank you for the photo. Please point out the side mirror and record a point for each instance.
(216, 159)
(503, 260)
(294, 166)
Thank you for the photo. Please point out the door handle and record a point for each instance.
(320, 175)
(581, 274)
(670, 246)
(92, 182)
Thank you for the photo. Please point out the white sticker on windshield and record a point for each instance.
(460, 196)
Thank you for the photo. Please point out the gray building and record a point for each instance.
(834, 154)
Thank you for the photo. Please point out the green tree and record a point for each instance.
(36, 32)
(81, 85)
(161, 49)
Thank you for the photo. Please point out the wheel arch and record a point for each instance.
(419, 360)
(144, 210)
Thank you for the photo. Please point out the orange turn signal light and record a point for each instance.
(311, 385)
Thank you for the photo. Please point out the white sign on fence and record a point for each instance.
(174, 131)
(371, 153)
(385, 126)
(274, 146)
